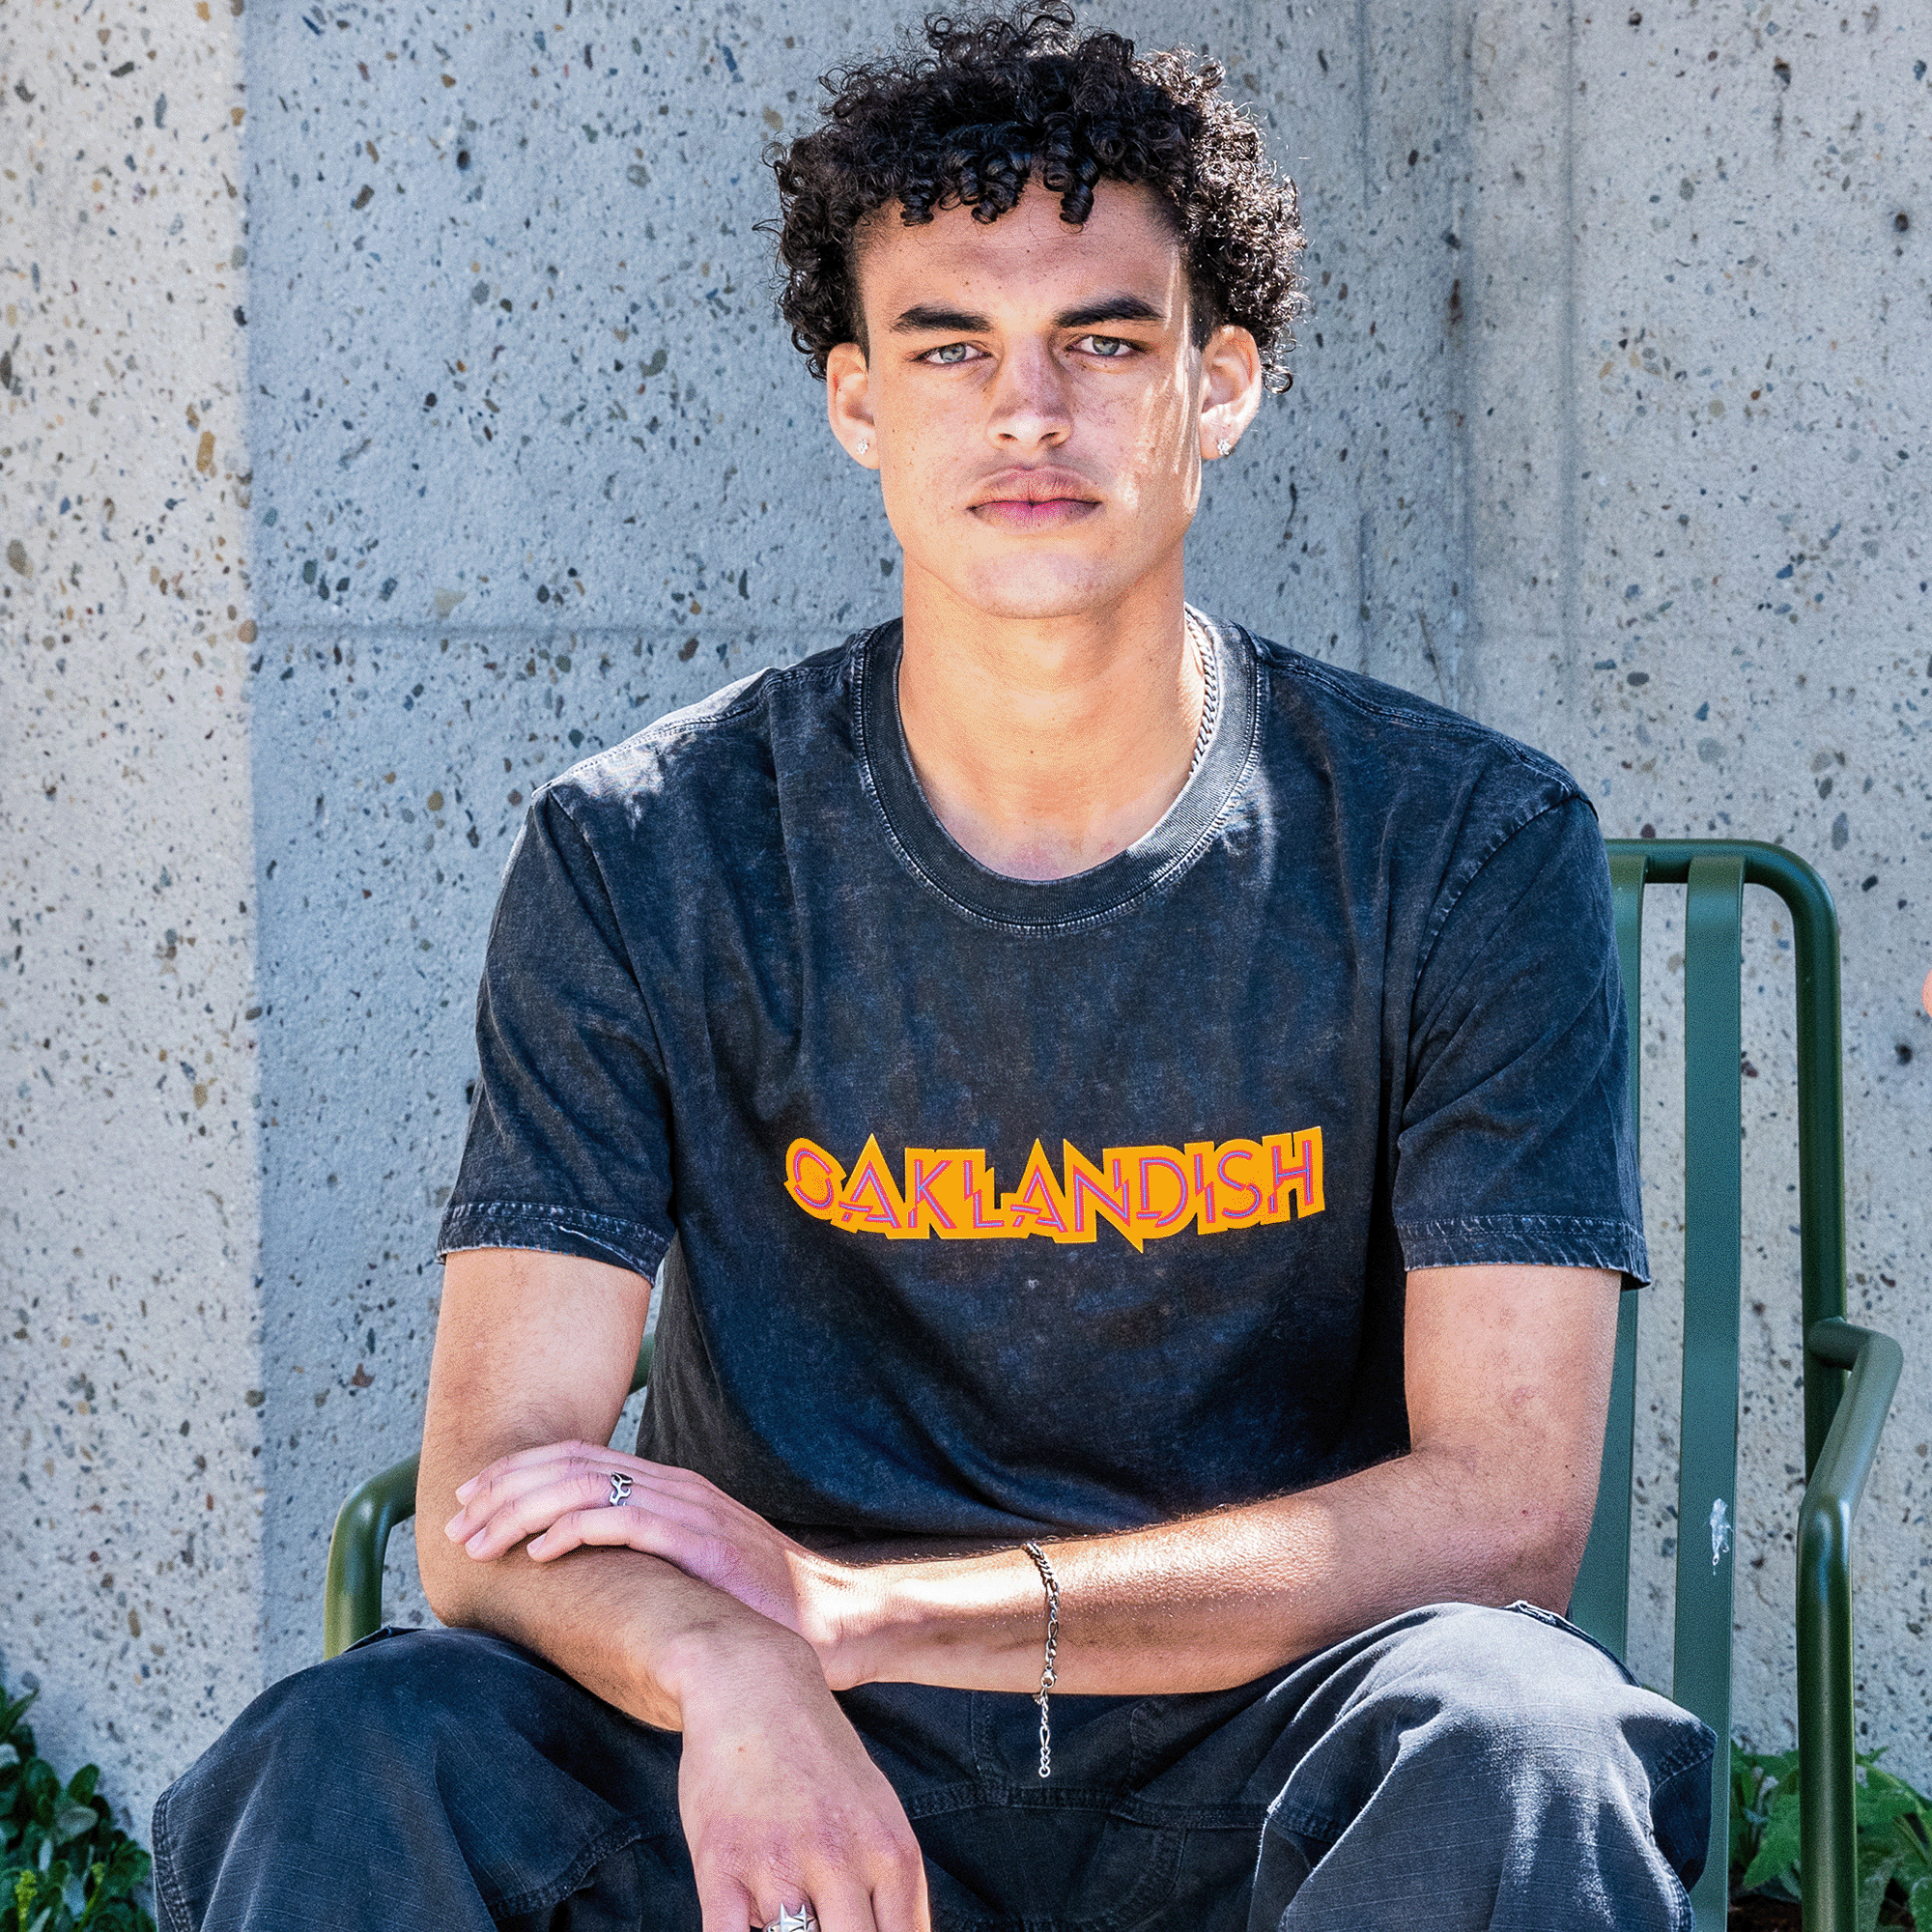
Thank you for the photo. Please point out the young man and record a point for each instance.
(1132, 1123)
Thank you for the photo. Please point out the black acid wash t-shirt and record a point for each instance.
(997, 1205)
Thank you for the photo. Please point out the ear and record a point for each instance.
(1231, 387)
(848, 403)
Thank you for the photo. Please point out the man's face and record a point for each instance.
(1033, 401)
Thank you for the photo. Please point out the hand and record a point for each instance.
(558, 1496)
(782, 1808)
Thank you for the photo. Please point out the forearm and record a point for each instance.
(1506, 1382)
(1507, 1389)
(1214, 1601)
(632, 1629)
(531, 1346)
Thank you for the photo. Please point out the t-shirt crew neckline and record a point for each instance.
(1117, 884)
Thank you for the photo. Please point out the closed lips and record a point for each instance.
(1035, 486)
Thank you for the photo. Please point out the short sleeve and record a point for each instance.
(1515, 1142)
(569, 1142)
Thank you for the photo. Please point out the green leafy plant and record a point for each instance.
(64, 1863)
(1894, 1838)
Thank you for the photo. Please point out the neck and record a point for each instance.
(1045, 746)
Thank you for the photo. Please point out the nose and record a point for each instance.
(1029, 404)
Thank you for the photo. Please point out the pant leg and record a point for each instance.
(427, 1782)
(1463, 1768)
(1457, 1768)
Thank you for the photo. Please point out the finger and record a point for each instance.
(645, 1508)
(524, 1457)
(589, 1493)
(886, 1870)
(564, 1483)
(497, 1486)
(727, 1906)
(888, 1863)
(900, 1901)
(513, 1475)
(625, 1529)
(687, 1498)
(839, 1905)
(505, 1482)
(583, 1463)
(511, 1521)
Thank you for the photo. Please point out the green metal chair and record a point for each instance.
(1849, 1371)
(1842, 1422)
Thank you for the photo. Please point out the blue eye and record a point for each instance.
(949, 355)
(1109, 348)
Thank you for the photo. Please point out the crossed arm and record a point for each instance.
(689, 1612)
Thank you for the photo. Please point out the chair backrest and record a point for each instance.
(1716, 872)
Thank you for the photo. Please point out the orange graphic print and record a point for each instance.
(1142, 1193)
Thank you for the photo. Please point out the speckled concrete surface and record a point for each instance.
(132, 1536)
(1728, 527)
(1627, 464)
(533, 461)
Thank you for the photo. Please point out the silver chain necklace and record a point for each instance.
(1210, 692)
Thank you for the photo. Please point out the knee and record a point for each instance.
(1512, 1763)
(1517, 1666)
(1515, 1686)
(390, 1702)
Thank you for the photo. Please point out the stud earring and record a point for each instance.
(1224, 446)
(864, 443)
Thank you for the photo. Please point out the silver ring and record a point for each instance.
(800, 1921)
(620, 1487)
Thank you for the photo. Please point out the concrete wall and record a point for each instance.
(131, 1376)
(1613, 321)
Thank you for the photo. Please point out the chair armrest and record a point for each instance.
(352, 1604)
(352, 1599)
(1827, 1767)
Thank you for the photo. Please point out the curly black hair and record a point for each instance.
(1010, 97)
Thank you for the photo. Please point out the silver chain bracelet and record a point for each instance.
(1047, 1678)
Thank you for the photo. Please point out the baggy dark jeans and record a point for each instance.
(1453, 1768)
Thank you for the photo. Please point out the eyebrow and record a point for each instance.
(932, 318)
